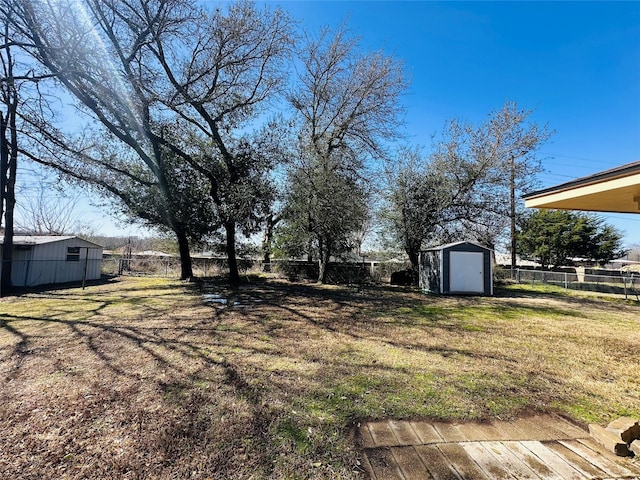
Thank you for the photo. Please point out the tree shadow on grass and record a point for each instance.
(212, 388)
(21, 291)
(153, 385)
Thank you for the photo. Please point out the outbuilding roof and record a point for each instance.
(449, 245)
(614, 190)
(43, 239)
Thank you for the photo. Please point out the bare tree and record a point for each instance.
(426, 197)
(467, 187)
(145, 70)
(46, 207)
(12, 101)
(511, 140)
(8, 156)
(325, 206)
(346, 105)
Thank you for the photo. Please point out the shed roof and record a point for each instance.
(151, 253)
(43, 239)
(614, 190)
(449, 245)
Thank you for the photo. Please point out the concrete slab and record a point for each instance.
(623, 423)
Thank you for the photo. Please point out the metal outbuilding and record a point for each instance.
(43, 260)
(457, 268)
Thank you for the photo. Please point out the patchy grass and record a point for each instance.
(139, 378)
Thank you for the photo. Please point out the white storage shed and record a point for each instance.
(43, 260)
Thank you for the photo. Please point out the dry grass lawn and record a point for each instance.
(139, 378)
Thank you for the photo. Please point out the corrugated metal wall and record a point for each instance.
(50, 263)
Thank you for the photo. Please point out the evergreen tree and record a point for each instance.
(556, 237)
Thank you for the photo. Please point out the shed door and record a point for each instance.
(466, 272)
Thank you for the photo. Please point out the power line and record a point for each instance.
(602, 162)
(559, 175)
(622, 218)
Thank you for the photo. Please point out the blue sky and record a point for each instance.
(576, 63)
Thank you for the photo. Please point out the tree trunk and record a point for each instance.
(325, 255)
(4, 161)
(185, 256)
(412, 248)
(414, 259)
(9, 160)
(267, 240)
(234, 275)
(7, 246)
(7, 251)
(310, 247)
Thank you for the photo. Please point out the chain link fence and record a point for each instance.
(35, 272)
(622, 283)
(41, 272)
(169, 266)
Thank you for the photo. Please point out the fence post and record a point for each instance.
(26, 273)
(565, 281)
(84, 270)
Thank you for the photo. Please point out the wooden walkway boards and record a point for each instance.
(538, 447)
